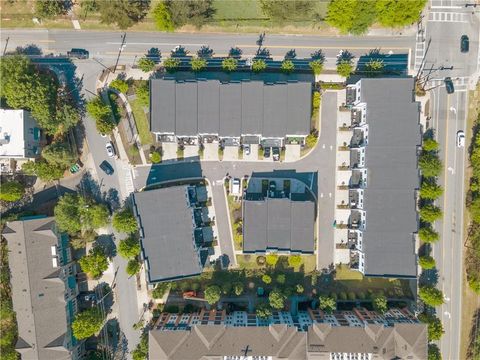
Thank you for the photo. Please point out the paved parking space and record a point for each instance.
(230, 153)
(292, 152)
(169, 151)
(210, 151)
(253, 156)
(190, 151)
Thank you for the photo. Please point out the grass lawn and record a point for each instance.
(250, 262)
(343, 272)
(237, 10)
(142, 122)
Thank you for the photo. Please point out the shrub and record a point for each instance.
(294, 260)
(311, 141)
(316, 66)
(133, 267)
(379, 303)
(277, 299)
(226, 288)
(342, 295)
(119, 85)
(160, 290)
(287, 66)
(266, 279)
(263, 311)
(281, 279)
(145, 64)
(429, 190)
(212, 294)
(299, 289)
(261, 260)
(344, 68)
(163, 17)
(171, 64)
(229, 64)
(271, 259)
(198, 64)
(316, 100)
(11, 191)
(430, 295)
(259, 65)
(430, 213)
(327, 304)
(426, 262)
(435, 327)
(361, 295)
(427, 234)
(156, 157)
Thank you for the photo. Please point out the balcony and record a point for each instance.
(356, 221)
(358, 180)
(358, 138)
(357, 158)
(351, 95)
(355, 199)
(355, 240)
(354, 260)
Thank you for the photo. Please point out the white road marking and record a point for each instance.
(323, 146)
(321, 195)
(442, 16)
(329, 195)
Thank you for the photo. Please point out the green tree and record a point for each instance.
(212, 294)
(171, 64)
(263, 311)
(267, 279)
(426, 262)
(124, 221)
(66, 117)
(141, 351)
(429, 145)
(89, 5)
(351, 16)
(429, 190)
(327, 304)
(94, 216)
(143, 93)
(430, 295)
(11, 191)
(229, 64)
(146, 65)
(379, 303)
(473, 279)
(198, 64)
(287, 66)
(120, 85)
(427, 234)
(434, 352)
(281, 279)
(271, 259)
(238, 288)
(344, 68)
(87, 323)
(375, 67)
(195, 12)
(105, 125)
(277, 299)
(45, 171)
(59, 153)
(299, 289)
(160, 290)
(48, 9)
(430, 213)
(129, 248)
(155, 157)
(97, 109)
(258, 65)
(95, 263)
(430, 164)
(435, 327)
(294, 260)
(163, 17)
(133, 267)
(398, 13)
(316, 66)
(123, 13)
(474, 208)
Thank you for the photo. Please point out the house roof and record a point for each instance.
(283, 342)
(37, 289)
(231, 109)
(12, 137)
(278, 223)
(166, 223)
(391, 162)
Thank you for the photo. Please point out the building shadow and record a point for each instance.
(308, 178)
(189, 168)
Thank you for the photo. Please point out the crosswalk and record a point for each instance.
(420, 46)
(460, 83)
(444, 16)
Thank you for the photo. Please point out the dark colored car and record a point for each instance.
(276, 153)
(78, 53)
(266, 152)
(464, 44)
(106, 167)
(449, 85)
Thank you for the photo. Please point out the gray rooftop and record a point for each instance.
(391, 162)
(38, 291)
(278, 223)
(401, 341)
(166, 224)
(200, 106)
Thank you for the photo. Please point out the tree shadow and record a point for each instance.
(89, 187)
(112, 199)
(29, 50)
(107, 243)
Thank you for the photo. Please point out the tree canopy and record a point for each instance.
(87, 323)
(212, 294)
(277, 299)
(95, 263)
(123, 13)
(271, 259)
(198, 64)
(426, 262)
(120, 85)
(133, 267)
(267, 279)
(229, 64)
(287, 66)
(160, 290)
(11, 191)
(194, 12)
(398, 13)
(379, 303)
(146, 64)
(430, 295)
(171, 64)
(48, 9)
(129, 247)
(258, 65)
(427, 234)
(124, 221)
(430, 164)
(344, 68)
(435, 327)
(327, 304)
(429, 145)
(59, 154)
(163, 17)
(434, 352)
(294, 260)
(430, 213)
(429, 190)
(44, 170)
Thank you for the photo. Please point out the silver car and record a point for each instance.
(110, 149)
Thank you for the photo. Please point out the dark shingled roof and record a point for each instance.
(391, 162)
(280, 224)
(235, 108)
(166, 224)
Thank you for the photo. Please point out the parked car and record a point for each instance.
(449, 85)
(236, 186)
(460, 138)
(464, 44)
(106, 167)
(276, 153)
(110, 149)
(266, 152)
(78, 53)
(246, 149)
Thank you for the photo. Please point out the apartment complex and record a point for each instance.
(175, 231)
(312, 334)
(230, 112)
(278, 216)
(44, 289)
(381, 223)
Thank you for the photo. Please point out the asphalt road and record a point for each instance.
(104, 46)
(449, 114)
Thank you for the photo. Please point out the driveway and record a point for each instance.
(169, 150)
(292, 153)
(210, 152)
(230, 153)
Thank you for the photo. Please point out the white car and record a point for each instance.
(110, 149)
(236, 186)
(460, 139)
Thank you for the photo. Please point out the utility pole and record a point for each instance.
(6, 44)
(120, 49)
